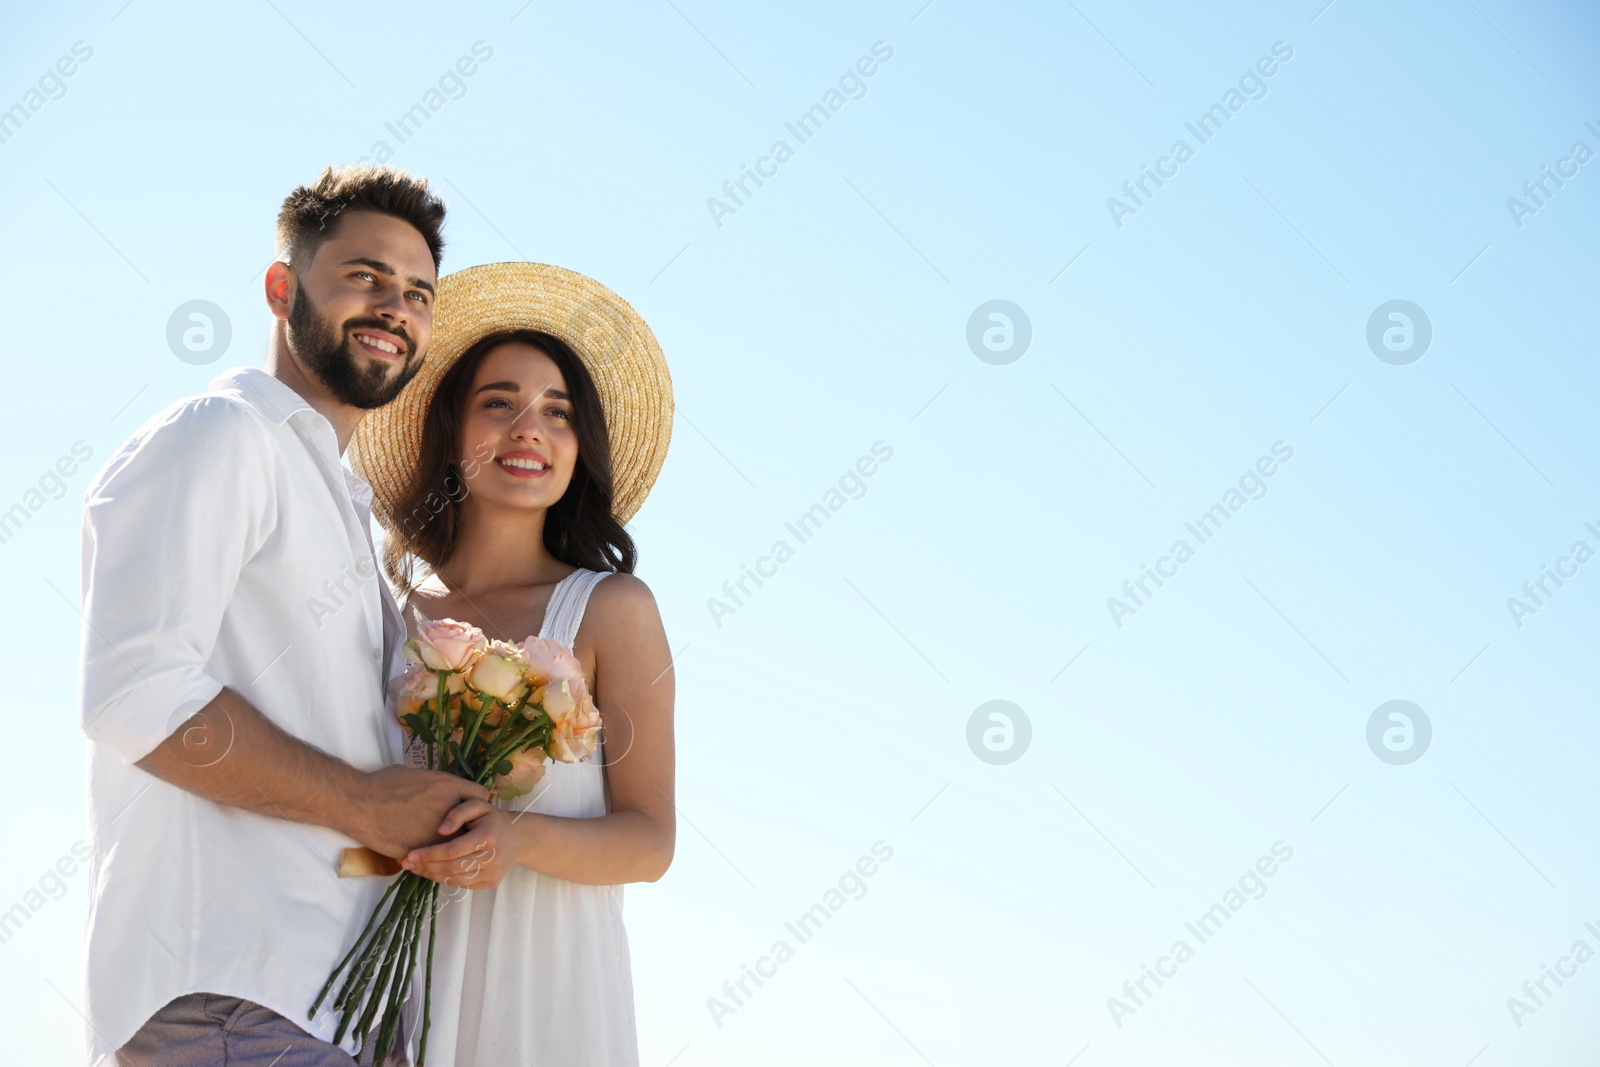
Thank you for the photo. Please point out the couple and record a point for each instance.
(505, 421)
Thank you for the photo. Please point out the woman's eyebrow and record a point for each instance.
(513, 387)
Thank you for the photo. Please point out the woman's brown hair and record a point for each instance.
(579, 529)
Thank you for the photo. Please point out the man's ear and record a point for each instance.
(280, 285)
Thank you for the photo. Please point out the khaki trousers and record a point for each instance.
(207, 1030)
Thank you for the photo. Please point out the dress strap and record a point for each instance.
(565, 613)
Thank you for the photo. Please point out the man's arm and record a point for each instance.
(169, 525)
(230, 753)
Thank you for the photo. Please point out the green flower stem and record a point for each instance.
(371, 1029)
(356, 978)
(406, 960)
(386, 993)
(512, 714)
(351, 996)
(459, 762)
(514, 720)
(472, 735)
(342, 963)
(391, 955)
(349, 1010)
(515, 743)
(526, 695)
(438, 718)
(534, 736)
(427, 982)
(423, 911)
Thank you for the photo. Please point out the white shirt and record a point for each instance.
(225, 544)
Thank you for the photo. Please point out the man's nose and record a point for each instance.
(391, 305)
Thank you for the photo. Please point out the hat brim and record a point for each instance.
(616, 347)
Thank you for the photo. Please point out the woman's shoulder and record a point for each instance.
(621, 588)
(621, 602)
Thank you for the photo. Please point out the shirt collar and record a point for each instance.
(265, 393)
(280, 403)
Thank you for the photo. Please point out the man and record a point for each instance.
(237, 642)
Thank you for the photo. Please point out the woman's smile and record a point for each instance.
(523, 463)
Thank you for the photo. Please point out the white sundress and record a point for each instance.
(534, 972)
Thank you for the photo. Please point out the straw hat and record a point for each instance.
(615, 345)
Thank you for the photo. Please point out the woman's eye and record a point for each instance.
(562, 413)
(498, 400)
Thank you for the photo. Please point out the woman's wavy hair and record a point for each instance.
(579, 529)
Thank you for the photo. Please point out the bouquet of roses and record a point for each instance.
(488, 711)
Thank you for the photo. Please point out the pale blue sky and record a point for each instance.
(830, 312)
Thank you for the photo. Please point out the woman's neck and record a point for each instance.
(499, 549)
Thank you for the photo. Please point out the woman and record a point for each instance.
(503, 474)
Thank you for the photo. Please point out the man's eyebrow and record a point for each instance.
(383, 268)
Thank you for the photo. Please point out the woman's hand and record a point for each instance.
(479, 858)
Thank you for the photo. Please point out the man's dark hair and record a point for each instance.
(310, 213)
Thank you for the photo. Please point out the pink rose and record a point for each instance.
(527, 767)
(501, 672)
(445, 645)
(549, 661)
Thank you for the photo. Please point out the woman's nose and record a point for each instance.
(527, 425)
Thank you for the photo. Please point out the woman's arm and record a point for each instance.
(633, 691)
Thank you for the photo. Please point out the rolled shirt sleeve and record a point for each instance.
(168, 525)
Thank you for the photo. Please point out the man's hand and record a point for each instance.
(402, 807)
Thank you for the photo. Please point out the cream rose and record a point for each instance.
(557, 700)
(571, 745)
(574, 738)
(501, 672)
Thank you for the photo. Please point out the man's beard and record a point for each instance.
(325, 350)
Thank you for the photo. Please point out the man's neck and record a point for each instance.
(283, 366)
